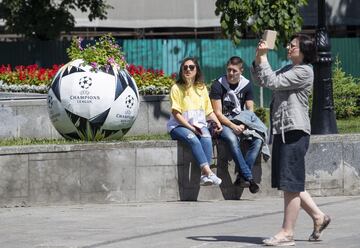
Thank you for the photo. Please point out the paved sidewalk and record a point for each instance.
(213, 224)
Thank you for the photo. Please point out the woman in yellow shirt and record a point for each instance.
(191, 108)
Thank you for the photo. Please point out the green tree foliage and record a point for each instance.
(239, 16)
(45, 19)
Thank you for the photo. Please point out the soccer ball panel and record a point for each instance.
(123, 111)
(115, 134)
(87, 94)
(58, 115)
(132, 84)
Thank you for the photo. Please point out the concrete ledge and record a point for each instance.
(26, 116)
(157, 171)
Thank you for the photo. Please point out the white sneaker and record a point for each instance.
(205, 181)
(215, 179)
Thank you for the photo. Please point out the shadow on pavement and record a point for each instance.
(240, 239)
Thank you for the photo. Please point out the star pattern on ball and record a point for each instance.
(50, 101)
(129, 101)
(85, 82)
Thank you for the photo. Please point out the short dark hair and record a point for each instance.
(235, 60)
(307, 47)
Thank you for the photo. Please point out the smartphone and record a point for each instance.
(270, 37)
(198, 129)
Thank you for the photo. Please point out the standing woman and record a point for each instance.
(190, 108)
(291, 86)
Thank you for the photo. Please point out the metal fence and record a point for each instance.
(167, 54)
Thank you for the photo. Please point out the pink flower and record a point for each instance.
(111, 60)
(79, 43)
(94, 65)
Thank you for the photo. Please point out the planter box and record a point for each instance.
(153, 171)
(26, 115)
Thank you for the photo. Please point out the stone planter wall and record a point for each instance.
(157, 171)
(25, 115)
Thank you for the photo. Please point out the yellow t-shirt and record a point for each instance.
(193, 103)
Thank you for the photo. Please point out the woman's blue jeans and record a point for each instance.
(233, 141)
(201, 146)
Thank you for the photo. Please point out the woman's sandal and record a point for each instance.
(318, 229)
(274, 241)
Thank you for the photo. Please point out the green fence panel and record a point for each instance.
(167, 54)
(43, 53)
(212, 55)
(348, 51)
(147, 53)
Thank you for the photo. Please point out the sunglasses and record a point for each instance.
(190, 67)
(291, 46)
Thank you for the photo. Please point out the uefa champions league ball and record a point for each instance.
(92, 105)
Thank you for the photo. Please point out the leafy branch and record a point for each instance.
(238, 17)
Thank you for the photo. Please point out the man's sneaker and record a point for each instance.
(215, 179)
(241, 182)
(205, 181)
(254, 188)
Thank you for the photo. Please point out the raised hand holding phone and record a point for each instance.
(269, 37)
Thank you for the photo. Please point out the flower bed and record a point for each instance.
(151, 82)
(29, 78)
(102, 55)
(34, 79)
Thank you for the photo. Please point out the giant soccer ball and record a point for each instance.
(89, 105)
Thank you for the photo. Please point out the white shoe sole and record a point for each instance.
(207, 183)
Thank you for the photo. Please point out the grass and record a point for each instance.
(351, 125)
(34, 141)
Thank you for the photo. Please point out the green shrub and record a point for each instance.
(261, 113)
(104, 53)
(346, 93)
